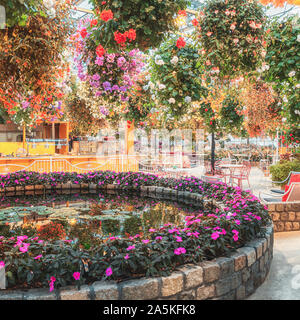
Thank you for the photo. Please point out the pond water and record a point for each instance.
(87, 219)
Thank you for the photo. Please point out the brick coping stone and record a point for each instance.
(231, 277)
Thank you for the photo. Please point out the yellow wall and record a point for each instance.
(7, 148)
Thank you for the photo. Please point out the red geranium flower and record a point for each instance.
(195, 22)
(131, 34)
(106, 15)
(180, 43)
(182, 12)
(120, 38)
(83, 33)
(100, 51)
(94, 22)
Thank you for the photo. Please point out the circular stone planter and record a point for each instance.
(235, 276)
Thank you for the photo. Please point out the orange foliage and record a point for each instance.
(280, 3)
(257, 97)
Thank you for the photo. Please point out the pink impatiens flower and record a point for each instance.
(76, 275)
(51, 284)
(126, 257)
(108, 272)
(180, 251)
(215, 235)
(37, 257)
(2, 264)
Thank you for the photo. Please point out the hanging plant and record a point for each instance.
(258, 99)
(139, 105)
(231, 118)
(282, 68)
(150, 21)
(177, 76)
(110, 74)
(230, 34)
(32, 68)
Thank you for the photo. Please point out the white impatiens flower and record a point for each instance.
(297, 85)
(171, 101)
(292, 73)
(285, 99)
(174, 60)
(298, 37)
(161, 86)
(188, 99)
(145, 88)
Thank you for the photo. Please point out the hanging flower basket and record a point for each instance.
(150, 21)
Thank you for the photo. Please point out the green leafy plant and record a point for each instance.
(152, 20)
(281, 170)
(231, 33)
(177, 77)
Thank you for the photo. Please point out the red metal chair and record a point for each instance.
(242, 173)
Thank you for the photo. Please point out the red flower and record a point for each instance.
(131, 34)
(100, 51)
(195, 22)
(106, 15)
(103, 3)
(180, 43)
(120, 38)
(94, 22)
(83, 33)
(182, 12)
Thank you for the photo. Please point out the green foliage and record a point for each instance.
(17, 11)
(281, 170)
(177, 77)
(283, 60)
(153, 20)
(231, 33)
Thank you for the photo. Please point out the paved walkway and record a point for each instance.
(283, 281)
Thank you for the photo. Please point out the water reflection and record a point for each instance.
(88, 219)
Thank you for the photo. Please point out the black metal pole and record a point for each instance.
(213, 147)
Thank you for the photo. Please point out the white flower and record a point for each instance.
(188, 99)
(285, 99)
(174, 60)
(297, 85)
(153, 97)
(51, 13)
(298, 37)
(292, 73)
(158, 60)
(161, 86)
(145, 88)
(171, 100)
(152, 86)
(48, 3)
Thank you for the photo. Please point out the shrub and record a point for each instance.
(281, 170)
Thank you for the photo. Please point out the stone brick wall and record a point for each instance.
(285, 216)
(235, 276)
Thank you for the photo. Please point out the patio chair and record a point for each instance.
(292, 177)
(242, 173)
(291, 195)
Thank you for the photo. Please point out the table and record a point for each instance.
(231, 168)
